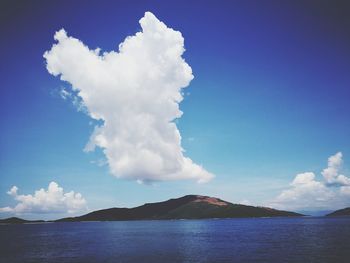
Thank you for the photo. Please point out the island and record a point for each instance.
(186, 207)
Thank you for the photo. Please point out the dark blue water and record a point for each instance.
(227, 240)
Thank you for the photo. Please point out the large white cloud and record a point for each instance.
(136, 92)
(306, 192)
(52, 200)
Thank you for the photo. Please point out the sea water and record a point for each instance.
(309, 239)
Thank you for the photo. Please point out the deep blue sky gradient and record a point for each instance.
(270, 96)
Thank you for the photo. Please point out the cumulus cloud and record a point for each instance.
(135, 92)
(13, 191)
(306, 192)
(52, 200)
(331, 173)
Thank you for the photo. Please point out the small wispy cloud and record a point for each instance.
(100, 162)
(64, 93)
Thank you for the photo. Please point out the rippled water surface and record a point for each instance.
(225, 240)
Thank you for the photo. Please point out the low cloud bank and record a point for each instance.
(52, 200)
(306, 192)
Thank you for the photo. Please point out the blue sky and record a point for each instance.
(269, 98)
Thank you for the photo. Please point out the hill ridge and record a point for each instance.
(340, 212)
(185, 207)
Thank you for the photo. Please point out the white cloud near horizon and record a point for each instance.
(135, 92)
(307, 193)
(52, 200)
(331, 173)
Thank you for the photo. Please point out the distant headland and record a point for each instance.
(341, 212)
